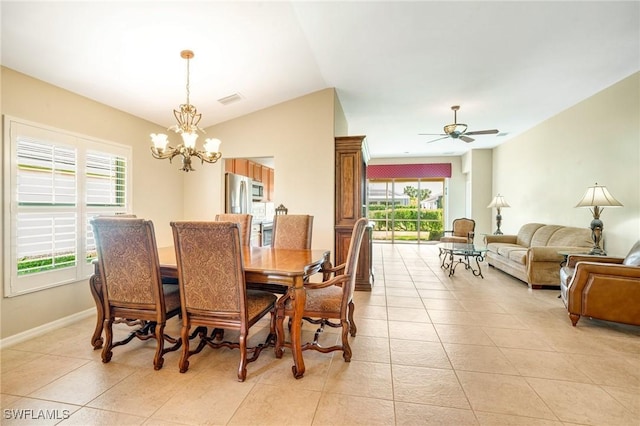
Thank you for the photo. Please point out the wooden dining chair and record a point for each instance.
(213, 291)
(330, 299)
(244, 220)
(292, 231)
(131, 284)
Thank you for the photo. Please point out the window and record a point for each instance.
(55, 184)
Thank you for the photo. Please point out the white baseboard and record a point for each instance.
(45, 328)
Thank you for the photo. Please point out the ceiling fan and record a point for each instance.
(458, 130)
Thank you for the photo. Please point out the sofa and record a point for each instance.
(534, 254)
(602, 287)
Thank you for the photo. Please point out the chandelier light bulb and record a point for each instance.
(160, 141)
(189, 140)
(212, 145)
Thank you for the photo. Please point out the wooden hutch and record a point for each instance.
(351, 204)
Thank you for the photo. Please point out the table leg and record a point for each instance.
(452, 268)
(96, 291)
(298, 298)
(479, 272)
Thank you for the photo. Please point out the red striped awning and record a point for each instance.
(389, 171)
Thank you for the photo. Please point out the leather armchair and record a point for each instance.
(602, 287)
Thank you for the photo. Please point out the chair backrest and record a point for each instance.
(129, 267)
(463, 227)
(351, 264)
(210, 276)
(281, 209)
(244, 220)
(292, 231)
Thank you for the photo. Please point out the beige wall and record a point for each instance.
(544, 172)
(157, 186)
(299, 135)
(480, 178)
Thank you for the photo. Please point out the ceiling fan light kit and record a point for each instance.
(458, 130)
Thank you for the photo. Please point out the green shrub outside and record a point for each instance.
(405, 218)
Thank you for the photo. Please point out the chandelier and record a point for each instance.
(188, 118)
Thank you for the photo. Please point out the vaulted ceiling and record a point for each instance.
(397, 67)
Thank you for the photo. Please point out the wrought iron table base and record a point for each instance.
(464, 259)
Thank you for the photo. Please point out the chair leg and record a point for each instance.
(107, 346)
(574, 319)
(271, 338)
(183, 364)
(346, 349)
(158, 359)
(353, 329)
(242, 367)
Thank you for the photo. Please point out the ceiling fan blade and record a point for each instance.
(438, 139)
(482, 132)
(467, 139)
(433, 134)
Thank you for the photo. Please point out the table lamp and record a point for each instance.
(498, 202)
(597, 196)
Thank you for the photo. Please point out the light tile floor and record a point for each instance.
(430, 350)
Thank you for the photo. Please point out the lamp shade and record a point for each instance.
(498, 202)
(600, 196)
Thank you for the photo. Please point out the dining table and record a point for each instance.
(262, 265)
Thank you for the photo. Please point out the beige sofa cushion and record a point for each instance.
(543, 235)
(525, 234)
(571, 237)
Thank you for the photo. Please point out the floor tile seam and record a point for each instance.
(523, 417)
(236, 411)
(146, 418)
(456, 371)
(28, 396)
(483, 328)
(558, 415)
(604, 388)
(61, 376)
(431, 367)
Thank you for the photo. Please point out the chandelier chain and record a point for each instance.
(188, 72)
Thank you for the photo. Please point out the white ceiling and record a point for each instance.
(397, 66)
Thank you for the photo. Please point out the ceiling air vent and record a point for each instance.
(230, 99)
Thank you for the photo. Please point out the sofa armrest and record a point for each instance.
(510, 239)
(575, 258)
(586, 272)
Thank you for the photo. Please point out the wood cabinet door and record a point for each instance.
(241, 166)
(229, 165)
(257, 172)
(350, 170)
(271, 184)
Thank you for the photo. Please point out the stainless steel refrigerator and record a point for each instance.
(238, 194)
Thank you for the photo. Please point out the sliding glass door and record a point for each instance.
(406, 210)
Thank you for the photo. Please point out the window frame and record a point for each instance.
(15, 284)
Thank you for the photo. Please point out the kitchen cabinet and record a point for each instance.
(239, 166)
(253, 170)
(257, 172)
(351, 156)
(268, 180)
